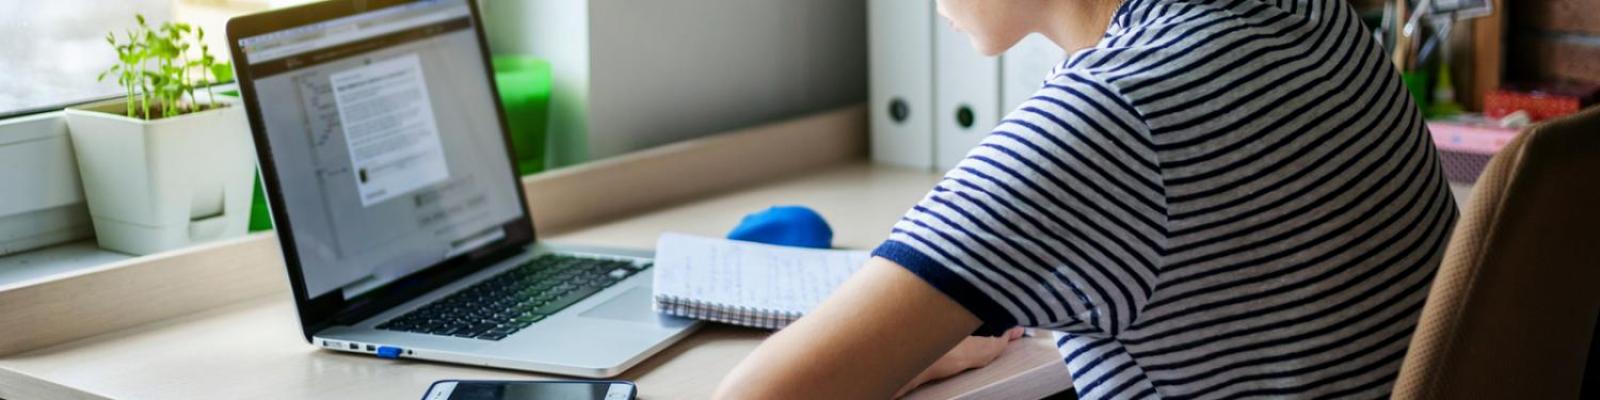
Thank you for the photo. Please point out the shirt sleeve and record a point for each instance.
(1055, 220)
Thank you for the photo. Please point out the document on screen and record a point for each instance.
(388, 123)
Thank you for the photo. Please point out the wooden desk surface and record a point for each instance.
(254, 349)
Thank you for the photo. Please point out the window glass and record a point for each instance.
(52, 55)
(52, 51)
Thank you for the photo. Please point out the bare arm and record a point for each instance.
(878, 331)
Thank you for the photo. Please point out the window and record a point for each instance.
(51, 51)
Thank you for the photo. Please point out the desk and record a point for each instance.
(253, 349)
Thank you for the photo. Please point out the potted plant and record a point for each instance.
(168, 164)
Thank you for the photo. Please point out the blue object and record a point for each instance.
(785, 226)
(389, 352)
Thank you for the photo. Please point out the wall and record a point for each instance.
(556, 30)
(1553, 40)
(41, 198)
(676, 69)
(649, 73)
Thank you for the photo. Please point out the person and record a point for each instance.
(1206, 199)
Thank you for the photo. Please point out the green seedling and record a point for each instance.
(159, 71)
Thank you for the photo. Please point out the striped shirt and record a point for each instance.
(1223, 199)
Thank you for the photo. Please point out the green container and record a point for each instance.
(524, 84)
(260, 218)
(1419, 83)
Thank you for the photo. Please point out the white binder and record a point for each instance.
(966, 96)
(1024, 69)
(900, 58)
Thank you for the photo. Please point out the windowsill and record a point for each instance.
(46, 170)
(41, 264)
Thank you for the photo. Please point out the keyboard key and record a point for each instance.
(515, 299)
(569, 299)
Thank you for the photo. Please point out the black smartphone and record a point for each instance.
(530, 390)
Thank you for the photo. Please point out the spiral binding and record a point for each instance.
(724, 313)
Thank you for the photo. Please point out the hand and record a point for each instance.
(973, 352)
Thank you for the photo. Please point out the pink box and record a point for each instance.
(1466, 144)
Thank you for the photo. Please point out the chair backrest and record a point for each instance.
(1516, 299)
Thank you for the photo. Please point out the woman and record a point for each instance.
(1207, 199)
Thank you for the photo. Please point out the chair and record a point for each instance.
(1513, 307)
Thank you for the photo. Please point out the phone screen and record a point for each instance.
(529, 390)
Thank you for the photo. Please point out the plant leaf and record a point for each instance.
(222, 72)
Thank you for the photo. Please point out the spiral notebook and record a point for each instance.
(745, 283)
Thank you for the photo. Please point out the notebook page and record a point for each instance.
(746, 274)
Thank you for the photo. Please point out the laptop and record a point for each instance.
(398, 208)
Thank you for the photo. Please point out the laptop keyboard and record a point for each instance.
(512, 300)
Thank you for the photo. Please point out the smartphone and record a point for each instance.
(530, 390)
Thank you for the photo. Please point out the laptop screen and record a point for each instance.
(385, 141)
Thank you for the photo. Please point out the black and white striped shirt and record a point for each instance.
(1223, 199)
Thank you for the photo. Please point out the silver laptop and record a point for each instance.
(401, 217)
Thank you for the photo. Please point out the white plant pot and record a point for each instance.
(158, 185)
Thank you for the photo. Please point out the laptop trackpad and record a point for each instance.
(633, 305)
